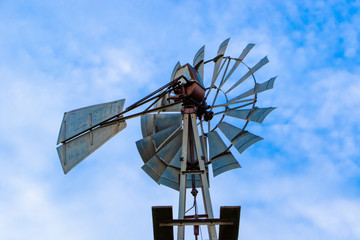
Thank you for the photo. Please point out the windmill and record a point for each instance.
(187, 125)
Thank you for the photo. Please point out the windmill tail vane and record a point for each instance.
(187, 125)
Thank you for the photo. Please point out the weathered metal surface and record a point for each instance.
(147, 124)
(230, 131)
(246, 51)
(241, 140)
(176, 68)
(198, 63)
(163, 143)
(183, 71)
(266, 85)
(158, 160)
(218, 60)
(161, 138)
(257, 115)
(221, 159)
(73, 152)
(164, 121)
(79, 120)
(237, 63)
(195, 91)
(170, 156)
(153, 123)
(175, 162)
(169, 151)
(147, 147)
(154, 168)
(151, 173)
(170, 178)
(224, 163)
(257, 89)
(260, 114)
(245, 140)
(187, 74)
(216, 144)
(261, 63)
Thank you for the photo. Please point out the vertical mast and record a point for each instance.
(190, 131)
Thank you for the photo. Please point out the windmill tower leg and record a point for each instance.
(182, 190)
(191, 119)
(203, 178)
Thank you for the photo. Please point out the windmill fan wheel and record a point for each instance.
(224, 105)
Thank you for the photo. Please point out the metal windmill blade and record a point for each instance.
(161, 147)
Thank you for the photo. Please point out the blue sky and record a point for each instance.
(301, 182)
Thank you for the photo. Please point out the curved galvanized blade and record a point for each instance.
(154, 168)
(237, 63)
(198, 63)
(169, 151)
(221, 159)
(245, 140)
(218, 60)
(241, 140)
(175, 162)
(261, 63)
(246, 51)
(153, 123)
(148, 146)
(184, 72)
(147, 123)
(164, 121)
(76, 150)
(257, 115)
(177, 66)
(79, 120)
(162, 138)
(216, 144)
(224, 163)
(257, 89)
(172, 151)
(170, 178)
(228, 130)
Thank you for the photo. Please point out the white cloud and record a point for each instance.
(301, 182)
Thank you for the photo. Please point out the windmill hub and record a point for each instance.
(191, 92)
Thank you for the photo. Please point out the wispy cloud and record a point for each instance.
(301, 182)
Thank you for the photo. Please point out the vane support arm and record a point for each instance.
(146, 99)
(120, 116)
